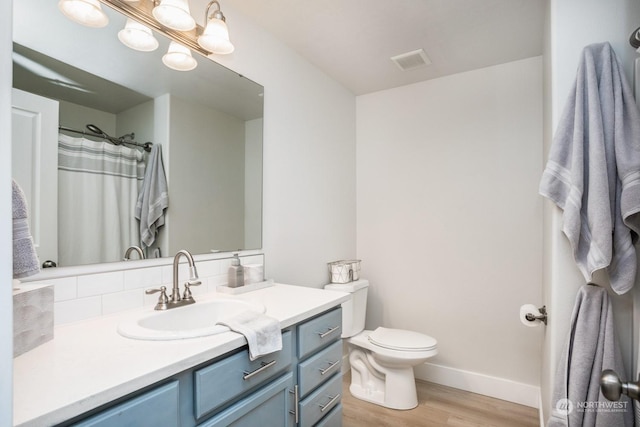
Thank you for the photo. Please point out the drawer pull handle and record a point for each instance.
(330, 331)
(330, 367)
(296, 401)
(263, 366)
(331, 402)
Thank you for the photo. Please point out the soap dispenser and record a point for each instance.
(236, 273)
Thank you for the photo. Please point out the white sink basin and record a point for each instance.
(191, 321)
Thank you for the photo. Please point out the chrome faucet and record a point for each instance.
(127, 254)
(175, 300)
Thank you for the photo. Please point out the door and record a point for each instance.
(34, 164)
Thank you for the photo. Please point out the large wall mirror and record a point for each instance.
(208, 122)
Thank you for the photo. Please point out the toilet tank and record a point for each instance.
(354, 310)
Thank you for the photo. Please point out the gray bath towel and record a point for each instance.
(153, 198)
(593, 171)
(591, 348)
(25, 260)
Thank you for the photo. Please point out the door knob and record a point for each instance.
(612, 388)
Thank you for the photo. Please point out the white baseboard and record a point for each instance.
(500, 388)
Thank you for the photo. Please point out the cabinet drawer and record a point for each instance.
(267, 407)
(321, 402)
(333, 418)
(226, 379)
(158, 407)
(319, 332)
(319, 367)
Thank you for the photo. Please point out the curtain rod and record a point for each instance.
(96, 132)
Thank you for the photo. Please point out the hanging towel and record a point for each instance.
(593, 170)
(262, 332)
(153, 199)
(590, 349)
(25, 260)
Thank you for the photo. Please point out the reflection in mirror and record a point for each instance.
(208, 123)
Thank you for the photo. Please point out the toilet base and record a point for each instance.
(393, 388)
(377, 397)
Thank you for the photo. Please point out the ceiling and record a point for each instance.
(352, 40)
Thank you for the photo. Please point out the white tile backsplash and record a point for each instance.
(64, 289)
(76, 309)
(120, 301)
(142, 278)
(90, 295)
(98, 284)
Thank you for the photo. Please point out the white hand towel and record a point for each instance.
(262, 332)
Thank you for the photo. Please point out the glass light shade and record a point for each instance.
(179, 58)
(137, 36)
(174, 14)
(85, 12)
(215, 37)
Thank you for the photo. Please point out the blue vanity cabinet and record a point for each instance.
(319, 376)
(299, 386)
(225, 380)
(157, 407)
(268, 407)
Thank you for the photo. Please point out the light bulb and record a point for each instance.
(174, 14)
(85, 12)
(215, 37)
(137, 36)
(179, 58)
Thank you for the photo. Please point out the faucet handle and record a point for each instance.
(163, 300)
(187, 292)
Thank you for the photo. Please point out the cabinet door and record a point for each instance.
(267, 407)
(225, 380)
(158, 407)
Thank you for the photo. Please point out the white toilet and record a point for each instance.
(382, 360)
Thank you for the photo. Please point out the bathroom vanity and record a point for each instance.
(89, 375)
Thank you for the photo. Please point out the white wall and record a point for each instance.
(6, 249)
(309, 155)
(573, 24)
(449, 220)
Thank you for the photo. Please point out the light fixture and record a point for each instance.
(171, 18)
(215, 37)
(137, 36)
(85, 12)
(179, 58)
(174, 14)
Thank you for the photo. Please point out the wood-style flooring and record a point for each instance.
(438, 406)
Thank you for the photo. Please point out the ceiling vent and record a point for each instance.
(410, 60)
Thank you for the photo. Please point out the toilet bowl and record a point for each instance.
(381, 360)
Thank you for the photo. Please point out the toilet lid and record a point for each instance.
(399, 339)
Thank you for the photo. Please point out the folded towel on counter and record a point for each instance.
(153, 198)
(262, 332)
(591, 348)
(25, 259)
(593, 170)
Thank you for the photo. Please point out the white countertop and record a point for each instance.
(88, 363)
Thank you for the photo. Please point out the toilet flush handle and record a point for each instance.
(612, 388)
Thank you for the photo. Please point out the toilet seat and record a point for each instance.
(402, 340)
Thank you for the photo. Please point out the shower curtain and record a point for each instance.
(98, 186)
